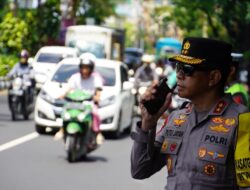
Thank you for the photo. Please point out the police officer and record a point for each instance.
(235, 87)
(206, 144)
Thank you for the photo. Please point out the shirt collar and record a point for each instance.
(217, 109)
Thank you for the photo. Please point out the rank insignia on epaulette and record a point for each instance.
(202, 152)
(209, 169)
(219, 107)
(215, 155)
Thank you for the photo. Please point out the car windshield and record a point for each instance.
(84, 46)
(63, 74)
(50, 57)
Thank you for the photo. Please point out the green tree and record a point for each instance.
(96, 9)
(13, 33)
(222, 19)
(48, 21)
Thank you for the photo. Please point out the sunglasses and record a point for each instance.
(189, 70)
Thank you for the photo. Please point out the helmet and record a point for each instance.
(87, 59)
(146, 58)
(24, 54)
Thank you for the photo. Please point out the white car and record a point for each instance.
(116, 104)
(46, 59)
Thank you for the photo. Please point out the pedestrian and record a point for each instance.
(206, 144)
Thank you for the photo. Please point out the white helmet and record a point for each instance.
(146, 58)
(87, 59)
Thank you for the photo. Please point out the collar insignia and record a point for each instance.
(219, 107)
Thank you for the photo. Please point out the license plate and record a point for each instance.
(16, 92)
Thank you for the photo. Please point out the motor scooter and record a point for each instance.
(21, 96)
(139, 89)
(77, 116)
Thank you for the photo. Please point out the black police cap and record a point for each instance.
(204, 51)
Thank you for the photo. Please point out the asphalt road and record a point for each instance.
(29, 161)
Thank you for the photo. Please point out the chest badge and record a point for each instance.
(220, 128)
(178, 122)
(164, 146)
(169, 163)
(215, 155)
(209, 169)
(202, 152)
(173, 147)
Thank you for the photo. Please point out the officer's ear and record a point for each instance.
(214, 77)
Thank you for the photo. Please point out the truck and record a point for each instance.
(103, 42)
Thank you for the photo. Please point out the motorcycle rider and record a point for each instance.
(146, 72)
(23, 68)
(90, 81)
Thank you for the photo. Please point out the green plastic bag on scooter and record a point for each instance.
(77, 121)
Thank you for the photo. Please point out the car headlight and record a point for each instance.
(108, 101)
(66, 116)
(40, 77)
(44, 95)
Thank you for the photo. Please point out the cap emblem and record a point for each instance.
(186, 46)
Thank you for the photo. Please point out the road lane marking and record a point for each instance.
(18, 141)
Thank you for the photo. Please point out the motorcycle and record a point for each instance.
(138, 91)
(21, 96)
(77, 118)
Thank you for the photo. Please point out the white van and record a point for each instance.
(46, 59)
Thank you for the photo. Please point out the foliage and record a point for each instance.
(3, 8)
(97, 9)
(48, 21)
(6, 63)
(221, 19)
(13, 32)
